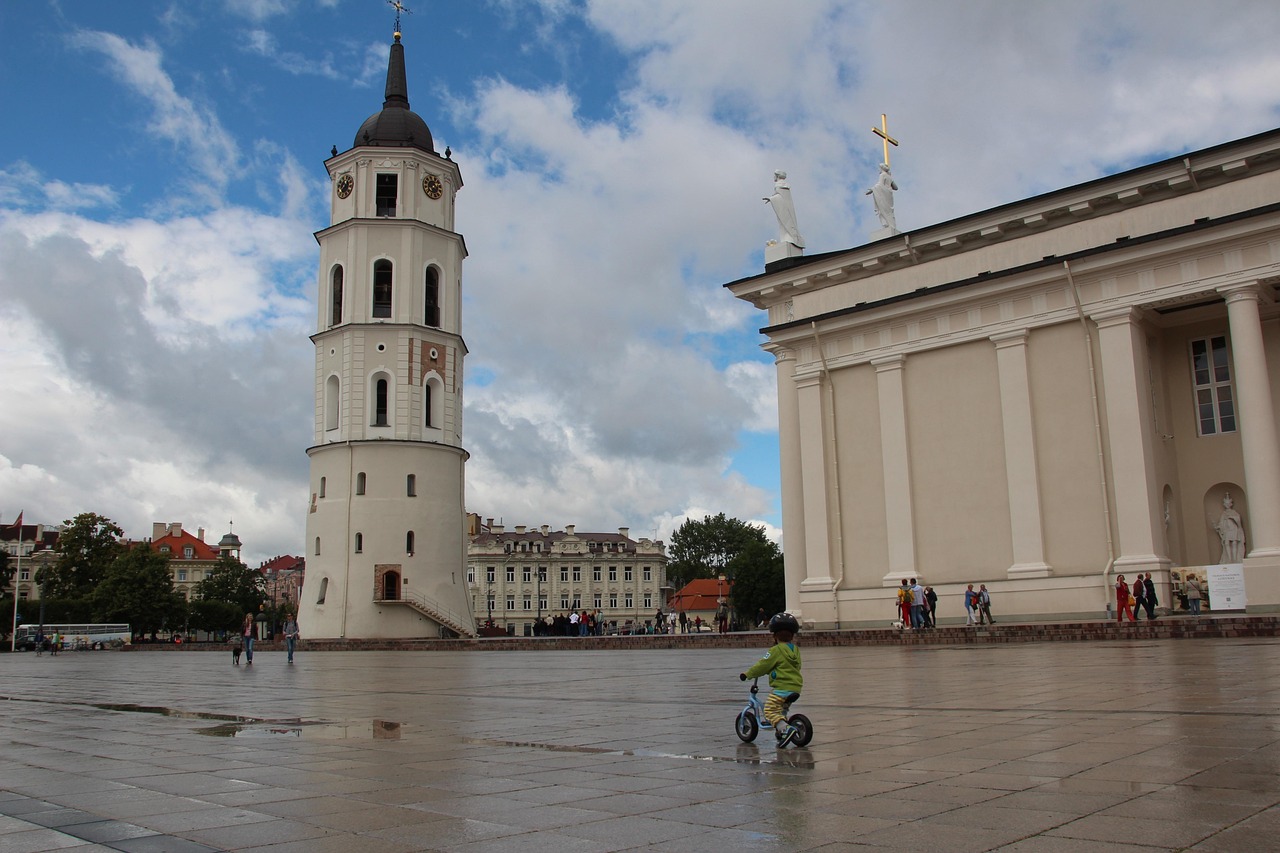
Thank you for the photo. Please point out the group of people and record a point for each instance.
(918, 606)
(52, 643)
(1132, 600)
(248, 630)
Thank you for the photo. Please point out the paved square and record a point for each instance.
(1035, 748)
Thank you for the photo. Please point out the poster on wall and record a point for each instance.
(1226, 586)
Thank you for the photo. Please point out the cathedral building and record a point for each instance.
(386, 540)
(1039, 397)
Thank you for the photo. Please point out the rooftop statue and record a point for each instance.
(785, 210)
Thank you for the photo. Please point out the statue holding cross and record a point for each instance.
(882, 193)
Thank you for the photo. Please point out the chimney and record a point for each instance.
(158, 529)
(521, 528)
(624, 532)
(545, 528)
(489, 523)
(495, 529)
(200, 533)
(175, 527)
(568, 529)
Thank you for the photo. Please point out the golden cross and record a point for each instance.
(883, 132)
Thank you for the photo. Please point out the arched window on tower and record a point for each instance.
(324, 587)
(411, 485)
(360, 483)
(318, 554)
(385, 194)
(332, 402)
(433, 402)
(380, 388)
(382, 289)
(335, 294)
(359, 543)
(408, 543)
(432, 297)
(322, 485)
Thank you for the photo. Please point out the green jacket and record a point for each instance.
(782, 663)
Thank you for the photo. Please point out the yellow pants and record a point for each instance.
(774, 707)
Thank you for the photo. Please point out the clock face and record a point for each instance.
(346, 183)
(432, 187)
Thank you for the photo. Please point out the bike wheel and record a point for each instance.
(746, 727)
(801, 722)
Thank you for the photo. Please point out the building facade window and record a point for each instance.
(380, 388)
(577, 574)
(613, 601)
(648, 600)
(564, 601)
(511, 574)
(1211, 376)
(528, 602)
(332, 402)
(188, 552)
(382, 289)
(182, 574)
(471, 576)
(626, 600)
(411, 485)
(431, 298)
(489, 574)
(595, 573)
(385, 192)
(648, 573)
(564, 574)
(626, 573)
(613, 573)
(317, 546)
(526, 574)
(360, 480)
(335, 297)
(408, 543)
(323, 480)
(359, 543)
(511, 602)
(596, 601)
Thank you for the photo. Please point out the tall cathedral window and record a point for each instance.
(380, 402)
(382, 288)
(335, 294)
(360, 480)
(433, 401)
(385, 195)
(432, 298)
(408, 543)
(1211, 374)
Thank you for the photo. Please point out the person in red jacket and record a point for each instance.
(1122, 600)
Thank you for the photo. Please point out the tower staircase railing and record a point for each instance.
(464, 626)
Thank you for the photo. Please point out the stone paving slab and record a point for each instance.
(1134, 745)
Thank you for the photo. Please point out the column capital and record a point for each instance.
(1250, 291)
(1120, 315)
(889, 362)
(1016, 338)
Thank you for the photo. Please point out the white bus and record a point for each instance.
(74, 636)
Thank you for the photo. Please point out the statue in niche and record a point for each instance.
(1231, 531)
(788, 231)
(882, 196)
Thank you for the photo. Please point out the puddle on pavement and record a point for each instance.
(308, 730)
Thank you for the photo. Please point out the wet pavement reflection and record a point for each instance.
(1141, 745)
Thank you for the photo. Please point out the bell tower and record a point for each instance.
(386, 535)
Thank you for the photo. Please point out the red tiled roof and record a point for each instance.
(178, 543)
(701, 594)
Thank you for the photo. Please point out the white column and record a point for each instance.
(1257, 422)
(1025, 521)
(813, 468)
(793, 533)
(896, 461)
(1138, 516)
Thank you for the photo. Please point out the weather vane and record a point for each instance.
(399, 6)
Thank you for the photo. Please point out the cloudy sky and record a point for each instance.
(161, 178)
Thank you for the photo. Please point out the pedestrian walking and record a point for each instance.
(970, 606)
(1139, 593)
(1149, 599)
(1124, 600)
(984, 605)
(1194, 593)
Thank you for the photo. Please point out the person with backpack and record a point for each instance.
(970, 606)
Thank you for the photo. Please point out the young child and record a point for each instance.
(782, 663)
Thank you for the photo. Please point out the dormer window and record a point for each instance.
(164, 549)
(188, 552)
(385, 195)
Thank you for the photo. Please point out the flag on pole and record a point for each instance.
(17, 525)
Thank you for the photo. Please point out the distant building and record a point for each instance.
(700, 599)
(38, 546)
(190, 557)
(520, 576)
(283, 578)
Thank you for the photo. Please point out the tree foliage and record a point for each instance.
(6, 569)
(758, 581)
(703, 549)
(213, 616)
(87, 546)
(235, 583)
(138, 589)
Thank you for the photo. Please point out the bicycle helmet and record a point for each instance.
(784, 622)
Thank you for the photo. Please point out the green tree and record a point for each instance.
(214, 616)
(138, 589)
(6, 570)
(704, 549)
(232, 581)
(88, 545)
(758, 582)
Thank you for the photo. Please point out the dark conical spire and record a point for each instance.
(397, 86)
(396, 126)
